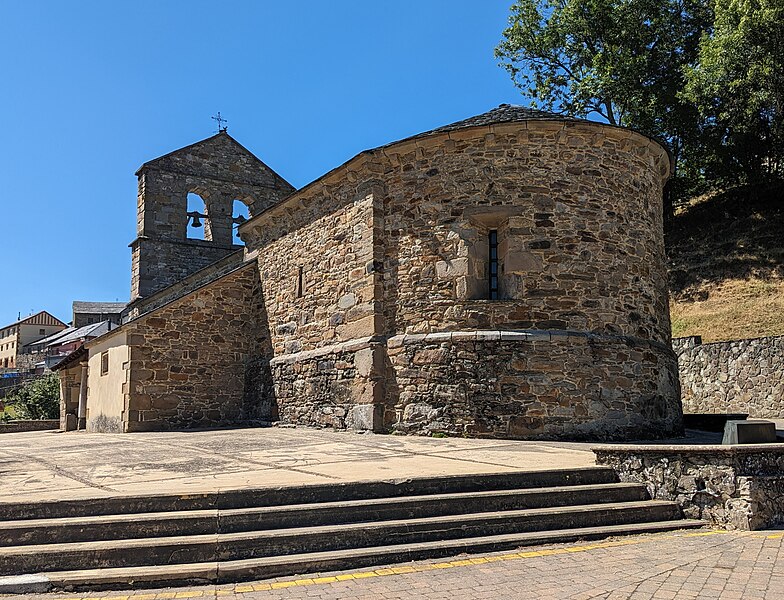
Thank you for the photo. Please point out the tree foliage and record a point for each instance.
(737, 85)
(661, 67)
(38, 398)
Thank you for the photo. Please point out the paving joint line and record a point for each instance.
(705, 555)
(269, 465)
(57, 470)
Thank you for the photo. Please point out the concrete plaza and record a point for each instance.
(47, 465)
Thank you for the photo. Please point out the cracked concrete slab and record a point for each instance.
(47, 465)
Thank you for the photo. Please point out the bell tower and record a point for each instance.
(221, 171)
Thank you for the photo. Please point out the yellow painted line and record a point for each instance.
(443, 565)
(704, 533)
(455, 563)
(388, 571)
(385, 572)
(365, 574)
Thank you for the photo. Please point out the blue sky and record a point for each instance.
(91, 90)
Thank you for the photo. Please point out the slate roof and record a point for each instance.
(98, 307)
(92, 330)
(72, 333)
(504, 113)
(52, 338)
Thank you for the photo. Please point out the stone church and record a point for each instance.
(502, 276)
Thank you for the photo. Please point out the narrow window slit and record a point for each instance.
(300, 282)
(493, 266)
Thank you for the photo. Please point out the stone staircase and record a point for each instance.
(156, 541)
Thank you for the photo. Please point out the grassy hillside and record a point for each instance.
(726, 263)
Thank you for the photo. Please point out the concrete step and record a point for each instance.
(256, 544)
(308, 494)
(292, 564)
(202, 522)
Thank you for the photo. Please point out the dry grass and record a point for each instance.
(726, 263)
(734, 309)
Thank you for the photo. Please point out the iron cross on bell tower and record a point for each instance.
(220, 120)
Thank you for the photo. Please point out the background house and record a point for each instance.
(17, 337)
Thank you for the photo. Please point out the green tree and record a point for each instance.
(38, 398)
(737, 83)
(622, 60)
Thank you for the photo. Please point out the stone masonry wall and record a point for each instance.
(332, 386)
(199, 361)
(318, 274)
(395, 243)
(166, 263)
(733, 487)
(218, 169)
(533, 384)
(579, 211)
(316, 271)
(741, 376)
(183, 286)
(29, 425)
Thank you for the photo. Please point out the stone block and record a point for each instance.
(365, 417)
(70, 422)
(347, 301)
(452, 268)
(753, 431)
(522, 262)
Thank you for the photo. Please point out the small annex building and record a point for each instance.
(501, 276)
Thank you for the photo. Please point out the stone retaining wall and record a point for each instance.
(742, 376)
(733, 487)
(38, 425)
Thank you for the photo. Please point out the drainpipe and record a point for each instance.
(83, 398)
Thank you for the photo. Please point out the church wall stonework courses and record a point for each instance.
(392, 327)
(503, 276)
(220, 170)
(197, 361)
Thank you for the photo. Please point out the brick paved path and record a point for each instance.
(680, 565)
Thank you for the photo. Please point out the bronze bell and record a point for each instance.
(196, 216)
